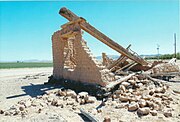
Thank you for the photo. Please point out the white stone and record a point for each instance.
(133, 106)
(167, 114)
(27, 103)
(139, 85)
(153, 112)
(91, 99)
(143, 111)
(62, 93)
(83, 94)
(133, 82)
(125, 84)
(124, 98)
(71, 93)
(142, 103)
(146, 97)
(122, 87)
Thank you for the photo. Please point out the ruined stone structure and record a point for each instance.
(73, 59)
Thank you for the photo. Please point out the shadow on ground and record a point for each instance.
(35, 90)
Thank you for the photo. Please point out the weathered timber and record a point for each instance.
(100, 36)
(126, 66)
(113, 84)
(122, 58)
(117, 62)
(130, 67)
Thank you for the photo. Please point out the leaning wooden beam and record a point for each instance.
(130, 67)
(126, 66)
(113, 84)
(122, 58)
(100, 36)
(89, 116)
(117, 62)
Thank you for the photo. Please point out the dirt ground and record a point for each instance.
(20, 84)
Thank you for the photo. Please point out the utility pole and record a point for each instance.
(174, 45)
(158, 51)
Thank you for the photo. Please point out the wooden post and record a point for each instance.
(174, 45)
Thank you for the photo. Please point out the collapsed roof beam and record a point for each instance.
(100, 36)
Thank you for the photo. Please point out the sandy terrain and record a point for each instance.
(21, 84)
(17, 84)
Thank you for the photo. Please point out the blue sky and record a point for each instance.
(26, 27)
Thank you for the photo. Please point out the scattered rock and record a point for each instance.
(91, 99)
(62, 93)
(43, 104)
(59, 103)
(83, 94)
(153, 112)
(107, 119)
(139, 85)
(130, 90)
(1, 112)
(70, 102)
(54, 102)
(143, 111)
(50, 99)
(142, 103)
(133, 82)
(126, 84)
(122, 87)
(146, 97)
(27, 103)
(71, 93)
(155, 106)
(82, 101)
(123, 98)
(99, 110)
(21, 108)
(160, 90)
(7, 113)
(133, 107)
(167, 114)
(149, 103)
(151, 92)
(39, 110)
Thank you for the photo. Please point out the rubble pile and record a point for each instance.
(56, 97)
(137, 94)
(143, 96)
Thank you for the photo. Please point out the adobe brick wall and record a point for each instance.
(87, 68)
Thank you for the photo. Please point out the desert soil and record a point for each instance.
(21, 84)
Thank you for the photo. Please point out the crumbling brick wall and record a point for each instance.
(86, 68)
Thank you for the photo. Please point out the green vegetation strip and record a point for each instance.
(165, 56)
(24, 65)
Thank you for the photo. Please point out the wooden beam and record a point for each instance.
(113, 84)
(126, 66)
(100, 36)
(121, 59)
(130, 67)
(117, 62)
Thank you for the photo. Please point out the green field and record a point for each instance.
(8, 65)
